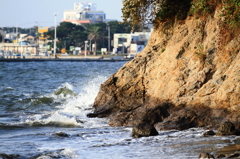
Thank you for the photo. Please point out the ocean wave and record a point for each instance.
(60, 153)
(55, 119)
(65, 91)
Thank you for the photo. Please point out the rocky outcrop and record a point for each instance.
(188, 75)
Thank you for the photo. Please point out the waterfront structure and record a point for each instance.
(130, 42)
(16, 48)
(83, 13)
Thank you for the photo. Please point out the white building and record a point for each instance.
(83, 13)
(130, 43)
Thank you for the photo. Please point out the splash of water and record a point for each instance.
(72, 109)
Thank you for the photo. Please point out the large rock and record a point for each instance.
(192, 65)
(144, 130)
(227, 128)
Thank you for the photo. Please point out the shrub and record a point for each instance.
(231, 13)
(142, 12)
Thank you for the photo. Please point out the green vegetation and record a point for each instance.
(94, 34)
(231, 13)
(200, 53)
(69, 34)
(141, 12)
(163, 50)
(202, 7)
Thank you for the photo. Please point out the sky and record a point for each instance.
(29, 13)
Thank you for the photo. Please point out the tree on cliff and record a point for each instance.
(140, 12)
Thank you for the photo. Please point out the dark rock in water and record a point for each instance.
(237, 141)
(144, 130)
(220, 156)
(209, 133)
(205, 155)
(236, 155)
(227, 128)
(64, 91)
(169, 125)
(61, 134)
(138, 116)
(5, 156)
(179, 120)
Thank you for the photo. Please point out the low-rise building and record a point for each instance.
(130, 42)
(29, 38)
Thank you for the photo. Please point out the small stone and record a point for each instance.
(209, 133)
(220, 156)
(61, 134)
(205, 155)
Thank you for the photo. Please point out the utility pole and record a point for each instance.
(108, 28)
(3, 35)
(37, 42)
(17, 32)
(55, 34)
(85, 48)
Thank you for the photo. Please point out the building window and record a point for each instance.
(121, 40)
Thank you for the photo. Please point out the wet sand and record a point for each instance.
(230, 149)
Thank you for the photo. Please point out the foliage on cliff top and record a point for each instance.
(141, 12)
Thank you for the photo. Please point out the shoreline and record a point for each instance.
(68, 58)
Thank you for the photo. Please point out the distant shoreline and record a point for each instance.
(61, 59)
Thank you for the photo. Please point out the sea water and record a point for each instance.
(43, 107)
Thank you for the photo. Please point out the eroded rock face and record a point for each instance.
(183, 67)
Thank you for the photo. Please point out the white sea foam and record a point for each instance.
(80, 105)
(73, 109)
(10, 88)
(61, 120)
(55, 119)
(69, 153)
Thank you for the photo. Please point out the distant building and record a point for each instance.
(42, 39)
(11, 36)
(83, 13)
(29, 38)
(130, 42)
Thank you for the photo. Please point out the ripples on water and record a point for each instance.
(43, 107)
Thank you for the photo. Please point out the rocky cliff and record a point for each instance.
(188, 75)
